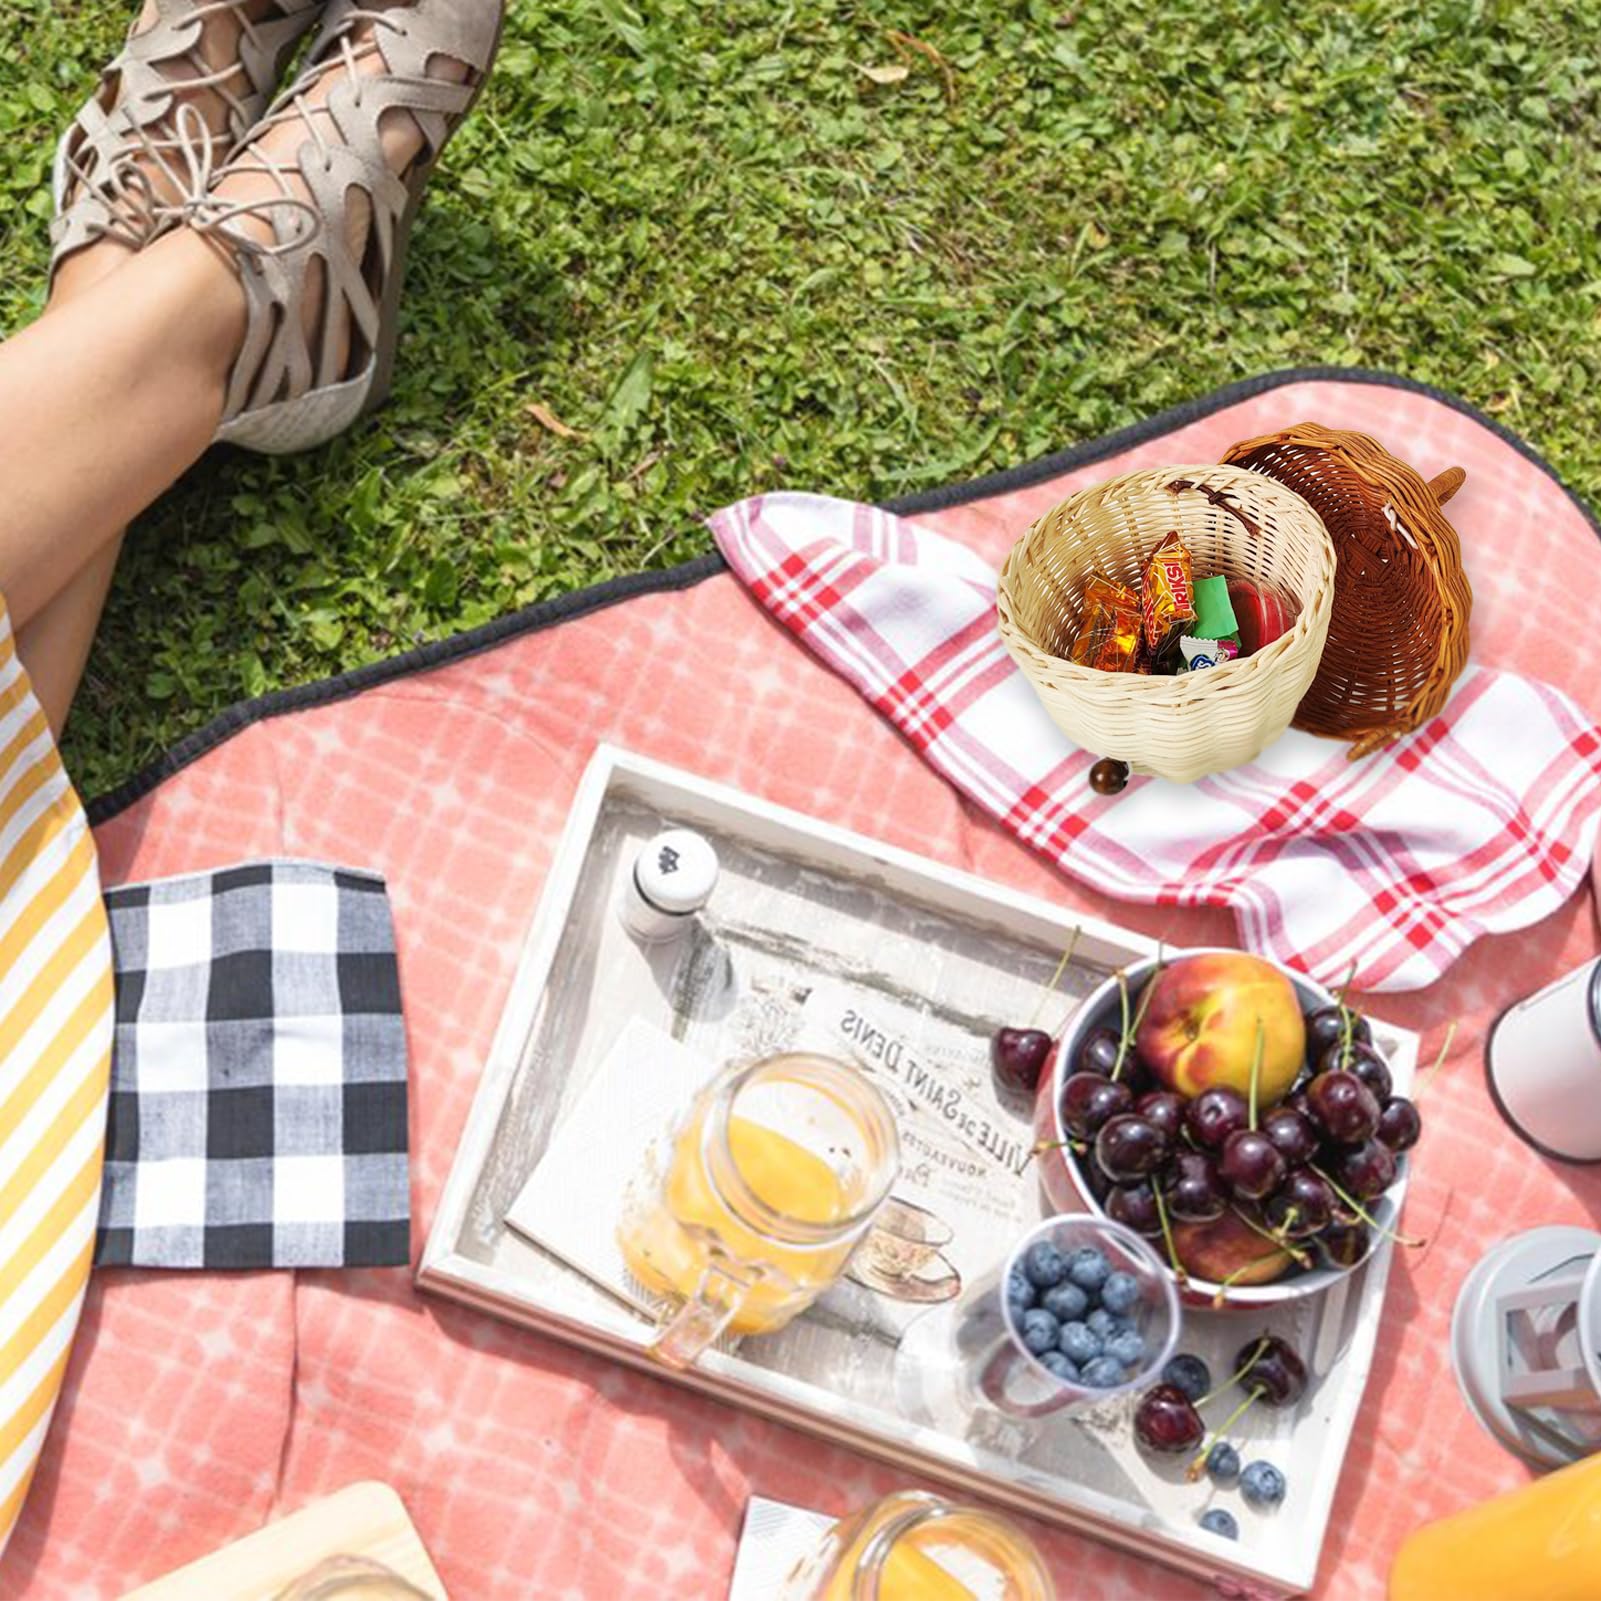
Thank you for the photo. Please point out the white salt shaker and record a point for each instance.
(673, 877)
(1544, 1060)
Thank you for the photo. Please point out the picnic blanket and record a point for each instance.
(197, 1406)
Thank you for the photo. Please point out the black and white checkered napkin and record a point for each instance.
(258, 1082)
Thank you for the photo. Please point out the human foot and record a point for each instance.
(315, 211)
(212, 63)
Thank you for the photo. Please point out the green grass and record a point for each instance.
(707, 239)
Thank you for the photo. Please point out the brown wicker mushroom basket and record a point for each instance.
(1399, 634)
(1239, 523)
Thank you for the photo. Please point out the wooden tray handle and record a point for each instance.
(1444, 485)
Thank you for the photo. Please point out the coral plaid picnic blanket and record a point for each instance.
(1482, 821)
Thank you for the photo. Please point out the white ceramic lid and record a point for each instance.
(677, 871)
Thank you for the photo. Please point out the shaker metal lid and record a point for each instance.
(677, 871)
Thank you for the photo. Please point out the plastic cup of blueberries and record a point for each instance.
(1080, 1310)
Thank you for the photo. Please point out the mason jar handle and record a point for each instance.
(703, 1317)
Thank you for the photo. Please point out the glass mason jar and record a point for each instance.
(752, 1205)
(912, 1546)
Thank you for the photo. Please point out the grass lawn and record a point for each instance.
(688, 251)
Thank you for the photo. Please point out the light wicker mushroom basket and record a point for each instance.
(1238, 523)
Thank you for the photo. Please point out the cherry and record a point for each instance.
(1191, 1188)
(1251, 1165)
(1326, 1026)
(1292, 1134)
(1336, 1057)
(1129, 1147)
(1018, 1057)
(1215, 1114)
(1399, 1124)
(1136, 1075)
(1276, 1373)
(1344, 1243)
(1134, 1206)
(1363, 1060)
(1303, 1206)
(1164, 1111)
(1098, 1053)
(1343, 1106)
(1366, 1170)
(1112, 1100)
(1088, 1101)
(1108, 776)
(1166, 1421)
(1090, 1173)
(1374, 1071)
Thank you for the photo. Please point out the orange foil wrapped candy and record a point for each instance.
(1167, 595)
(1111, 630)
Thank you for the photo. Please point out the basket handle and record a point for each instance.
(1444, 485)
(1220, 499)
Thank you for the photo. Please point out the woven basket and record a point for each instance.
(1234, 522)
(1401, 600)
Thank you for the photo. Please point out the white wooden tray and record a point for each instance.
(810, 920)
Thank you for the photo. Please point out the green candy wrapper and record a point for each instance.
(1214, 616)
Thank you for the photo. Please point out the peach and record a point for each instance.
(1230, 1250)
(1200, 1025)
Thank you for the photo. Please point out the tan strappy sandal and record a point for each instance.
(124, 142)
(283, 394)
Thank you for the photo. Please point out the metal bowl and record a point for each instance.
(1068, 1191)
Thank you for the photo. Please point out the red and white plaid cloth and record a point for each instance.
(1481, 822)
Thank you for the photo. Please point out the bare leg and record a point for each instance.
(54, 645)
(171, 321)
(104, 403)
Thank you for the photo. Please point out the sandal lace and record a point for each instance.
(211, 214)
(134, 214)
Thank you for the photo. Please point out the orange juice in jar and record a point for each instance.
(761, 1195)
(916, 1547)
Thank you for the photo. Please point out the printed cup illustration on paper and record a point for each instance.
(901, 1256)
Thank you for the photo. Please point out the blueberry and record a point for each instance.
(1120, 1293)
(1126, 1347)
(1066, 1302)
(1045, 1266)
(1189, 1374)
(1078, 1342)
(1103, 1373)
(1088, 1268)
(1019, 1293)
(1055, 1362)
(1040, 1330)
(1217, 1521)
(1262, 1484)
(1102, 1322)
(1223, 1463)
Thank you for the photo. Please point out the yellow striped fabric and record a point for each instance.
(55, 1062)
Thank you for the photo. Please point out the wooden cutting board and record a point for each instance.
(364, 1520)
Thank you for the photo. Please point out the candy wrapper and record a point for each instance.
(1199, 653)
(1167, 596)
(1111, 629)
(1214, 615)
